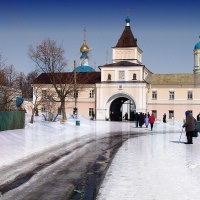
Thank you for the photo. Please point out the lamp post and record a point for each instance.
(75, 92)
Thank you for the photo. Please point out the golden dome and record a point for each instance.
(84, 48)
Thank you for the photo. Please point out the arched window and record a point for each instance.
(134, 77)
(109, 77)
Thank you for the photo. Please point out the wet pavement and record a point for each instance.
(154, 167)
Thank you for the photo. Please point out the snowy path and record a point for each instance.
(151, 166)
(154, 167)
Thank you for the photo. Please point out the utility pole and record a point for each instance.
(75, 92)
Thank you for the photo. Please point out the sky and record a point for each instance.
(167, 31)
(154, 164)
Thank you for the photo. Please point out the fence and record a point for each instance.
(10, 120)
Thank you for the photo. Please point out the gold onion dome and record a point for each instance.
(84, 48)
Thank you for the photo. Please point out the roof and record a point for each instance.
(173, 79)
(127, 39)
(84, 69)
(197, 46)
(68, 77)
(121, 63)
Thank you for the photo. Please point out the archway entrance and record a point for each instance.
(119, 107)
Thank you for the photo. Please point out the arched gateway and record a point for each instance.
(119, 104)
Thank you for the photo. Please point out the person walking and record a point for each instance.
(136, 117)
(189, 126)
(152, 120)
(93, 115)
(126, 116)
(164, 118)
(146, 120)
(141, 120)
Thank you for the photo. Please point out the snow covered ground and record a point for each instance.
(151, 166)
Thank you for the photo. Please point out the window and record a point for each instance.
(76, 94)
(75, 111)
(91, 93)
(171, 114)
(171, 94)
(44, 93)
(189, 95)
(109, 77)
(155, 113)
(134, 77)
(91, 111)
(154, 94)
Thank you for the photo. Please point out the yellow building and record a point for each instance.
(126, 85)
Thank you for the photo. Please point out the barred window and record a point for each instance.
(171, 114)
(154, 94)
(76, 94)
(171, 94)
(190, 95)
(91, 93)
(155, 113)
(91, 110)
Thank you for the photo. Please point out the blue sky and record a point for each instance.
(167, 31)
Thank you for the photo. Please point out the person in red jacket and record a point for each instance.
(152, 120)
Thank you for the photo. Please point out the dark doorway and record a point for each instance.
(116, 109)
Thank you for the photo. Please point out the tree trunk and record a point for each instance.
(64, 117)
(32, 116)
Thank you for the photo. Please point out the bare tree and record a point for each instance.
(37, 91)
(2, 62)
(49, 57)
(30, 78)
(48, 102)
(2, 71)
(24, 82)
(9, 89)
(21, 82)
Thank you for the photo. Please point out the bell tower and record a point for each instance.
(127, 48)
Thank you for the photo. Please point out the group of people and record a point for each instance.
(144, 119)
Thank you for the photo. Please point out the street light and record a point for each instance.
(75, 92)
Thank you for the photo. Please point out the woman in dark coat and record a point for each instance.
(141, 120)
(189, 126)
(136, 118)
(164, 118)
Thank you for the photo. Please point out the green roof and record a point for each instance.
(173, 79)
(84, 69)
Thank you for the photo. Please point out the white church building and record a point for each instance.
(127, 85)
